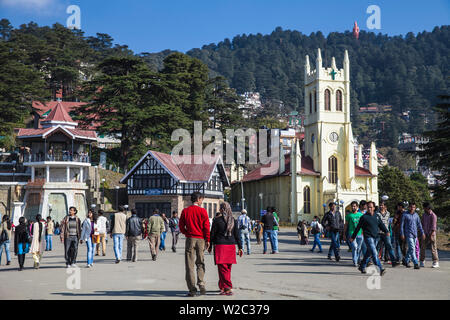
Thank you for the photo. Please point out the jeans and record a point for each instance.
(245, 238)
(48, 242)
(398, 248)
(90, 250)
(411, 253)
(384, 239)
(6, 246)
(275, 240)
(162, 245)
(118, 244)
(268, 234)
(334, 245)
(356, 248)
(371, 252)
(317, 242)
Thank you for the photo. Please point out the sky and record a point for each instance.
(155, 25)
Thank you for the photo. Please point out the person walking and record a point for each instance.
(194, 224)
(5, 239)
(36, 248)
(316, 230)
(351, 221)
(383, 237)
(174, 229)
(224, 238)
(70, 235)
(244, 227)
(102, 223)
(118, 226)
(409, 228)
(155, 229)
(302, 232)
(258, 231)
(399, 244)
(21, 241)
(49, 231)
(133, 233)
(162, 244)
(88, 230)
(276, 227)
(268, 220)
(370, 223)
(429, 224)
(332, 222)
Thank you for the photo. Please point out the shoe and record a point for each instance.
(329, 258)
(416, 266)
(356, 265)
(370, 263)
(8, 263)
(408, 265)
(73, 265)
(395, 263)
(319, 251)
(96, 254)
(362, 270)
(422, 264)
(435, 265)
(311, 250)
(174, 250)
(404, 263)
(382, 272)
(191, 294)
(88, 266)
(338, 258)
(20, 269)
(117, 261)
(153, 257)
(202, 290)
(229, 293)
(68, 266)
(104, 254)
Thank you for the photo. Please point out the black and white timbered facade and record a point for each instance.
(157, 182)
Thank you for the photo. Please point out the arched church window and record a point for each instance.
(310, 102)
(306, 200)
(315, 101)
(339, 100)
(327, 100)
(332, 169)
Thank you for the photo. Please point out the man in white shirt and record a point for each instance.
(101, 226)
(244, 227)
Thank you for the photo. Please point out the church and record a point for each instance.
(322, 167)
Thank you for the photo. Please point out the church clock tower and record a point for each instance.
(328, 132)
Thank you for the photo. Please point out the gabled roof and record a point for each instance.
(45, 132)
(59, 114)
(184, 171)
(360, 171)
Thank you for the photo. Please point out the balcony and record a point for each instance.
(64, 158)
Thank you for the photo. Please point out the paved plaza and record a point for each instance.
(294, 273)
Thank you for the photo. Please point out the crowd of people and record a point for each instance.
(371, 233)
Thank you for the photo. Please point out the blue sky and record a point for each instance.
(155, 25)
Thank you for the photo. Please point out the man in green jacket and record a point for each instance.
(154, 228)
(275, 230)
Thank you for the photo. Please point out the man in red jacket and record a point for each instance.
(194, 224)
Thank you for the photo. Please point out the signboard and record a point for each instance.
(153, 192)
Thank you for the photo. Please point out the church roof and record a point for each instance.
(58, 113)
(307, 169)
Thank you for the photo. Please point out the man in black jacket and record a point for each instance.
(133, 232)
(371, 225)
(332, 221)
(268, 221)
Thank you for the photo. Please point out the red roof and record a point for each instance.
(183, 171)
(58, 113)
(360, 171)
(24, 133)
(306, 169)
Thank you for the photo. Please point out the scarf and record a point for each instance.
(228, 216)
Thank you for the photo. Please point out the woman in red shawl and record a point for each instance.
(224, 237)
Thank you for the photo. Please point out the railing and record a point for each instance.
(39, 157)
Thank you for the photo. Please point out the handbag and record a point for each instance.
(96, 238)
(3, 236)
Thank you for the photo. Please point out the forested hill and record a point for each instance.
(405, 71)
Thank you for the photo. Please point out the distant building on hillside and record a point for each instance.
(252, 104)
(375, 108)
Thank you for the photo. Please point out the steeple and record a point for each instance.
(318, 60)
(307, 66)
(333, 64)
(346, 66)
(373, 161)
(59, 116)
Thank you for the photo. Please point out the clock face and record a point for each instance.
(334, 136)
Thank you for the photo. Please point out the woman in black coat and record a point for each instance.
(225, 237)
(21, 241)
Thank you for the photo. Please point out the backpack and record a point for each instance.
(3, 236)
(315, 229)
(244, 225)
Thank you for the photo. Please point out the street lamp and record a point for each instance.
(103, 192)
(384, 198)
(342, 205)
(324, 207)
(14, 169)
(49, 209)
(125, 206)
(117, 197)
(261, 202)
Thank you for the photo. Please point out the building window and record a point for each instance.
(315, 101)
(310, 102)
(327, 100)
(306, 200)
(339, 100)
(332, 169)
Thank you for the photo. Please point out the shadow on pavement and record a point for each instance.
(131, 293)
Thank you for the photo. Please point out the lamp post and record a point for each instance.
(93, 207)
(126, 209)
(49, 209)
(117, 197)
(324, 208)
(261, 202)
(14, 169)
(103, 193)
(385, 198)
(341, 202)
